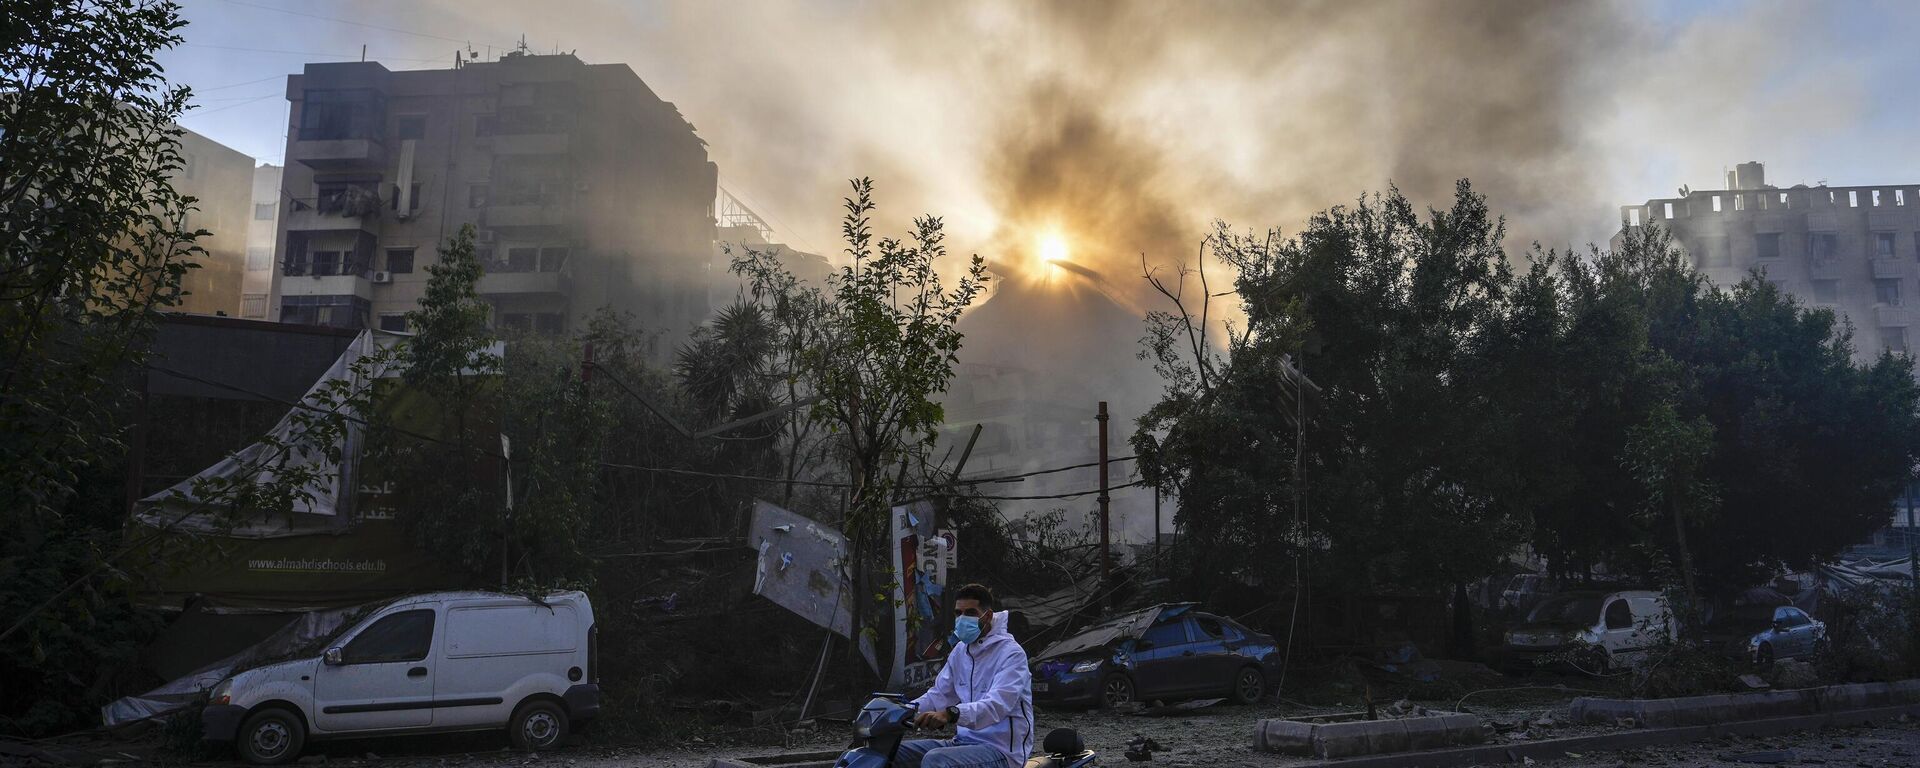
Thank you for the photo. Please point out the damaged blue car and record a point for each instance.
(1163, 653)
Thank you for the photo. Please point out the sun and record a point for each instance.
(1052, 248)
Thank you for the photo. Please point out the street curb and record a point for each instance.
(1723, 708)
(790, 760)
(1613, 742)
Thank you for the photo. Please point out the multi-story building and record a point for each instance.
(261, 231)
(585, 188)
(1855, 250)
(215, 175)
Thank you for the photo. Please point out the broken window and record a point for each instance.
(552, 258)
(522, 260)
(1766, 245)
(413, 197)
(1883, 245)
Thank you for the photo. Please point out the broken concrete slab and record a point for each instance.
(1721, 708)
(1367, 737)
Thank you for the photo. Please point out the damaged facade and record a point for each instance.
(585, 188)
(1853, 250)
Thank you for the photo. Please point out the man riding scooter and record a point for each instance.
(984, 690)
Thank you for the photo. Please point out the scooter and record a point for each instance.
(887, 718)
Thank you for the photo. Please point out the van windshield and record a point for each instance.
(1580, 610)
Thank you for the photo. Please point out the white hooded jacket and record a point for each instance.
(988, 681)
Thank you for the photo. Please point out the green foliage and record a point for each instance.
(1609, 409)
(93, 243)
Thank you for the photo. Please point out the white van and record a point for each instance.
(445, 661)
(1591, 631)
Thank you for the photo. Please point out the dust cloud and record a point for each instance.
(1123, 129)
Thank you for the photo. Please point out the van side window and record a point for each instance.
(404, 636)
(1619, 615)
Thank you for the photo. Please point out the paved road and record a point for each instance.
(1213, 738)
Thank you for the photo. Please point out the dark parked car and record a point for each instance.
(1166, 652)
(1762, 634)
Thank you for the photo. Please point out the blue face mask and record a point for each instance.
(966, 629)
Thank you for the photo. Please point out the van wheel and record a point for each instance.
(537, 725)
(271, 737)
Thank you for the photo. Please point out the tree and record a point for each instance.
(93, 243)
(1388, 313)
(441, 449)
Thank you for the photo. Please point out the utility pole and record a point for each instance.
(1156, 522)
(1106, 548)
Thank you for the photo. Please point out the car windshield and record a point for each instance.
(1752, 617)
(1582, 610)
(1089, 639)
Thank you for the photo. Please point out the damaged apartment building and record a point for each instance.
(1854, 250)
(586, 190)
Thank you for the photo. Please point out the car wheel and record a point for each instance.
(271, 737)
(1763, 657)
(537, 725)
(1599, 663)
(1249, 685)
(1116, 690)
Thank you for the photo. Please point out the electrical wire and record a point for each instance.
(327, 55)
(358, 23)
(663, 470)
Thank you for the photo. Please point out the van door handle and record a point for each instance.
(417, 672)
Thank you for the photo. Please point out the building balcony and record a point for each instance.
(1889, 268)
(524, 284)
(1888, 316)
(336, 154)
(531, 144)
(525, 216)
(1824, 269)
(304, 215)
(327, 285)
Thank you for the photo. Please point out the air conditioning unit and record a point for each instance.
(382, 276)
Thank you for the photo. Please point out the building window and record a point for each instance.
(522, 260)
(326, 263)
(1767, 245)
(477, 195)
(413, 197)
(553, 258)
(1669, 210)
(393, 321)
(484, 125)
(1826, 291)
(258, 258)
(550, 323)
(353, 199)
(332, 115)
(1883, 245)
(336, 311)
(1895, 339)
(253, 305)
(411, 127)
(400, 260)
(1822, 246)
(516, 321)
(295, 265)
(263, 211)
(1887, 291)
